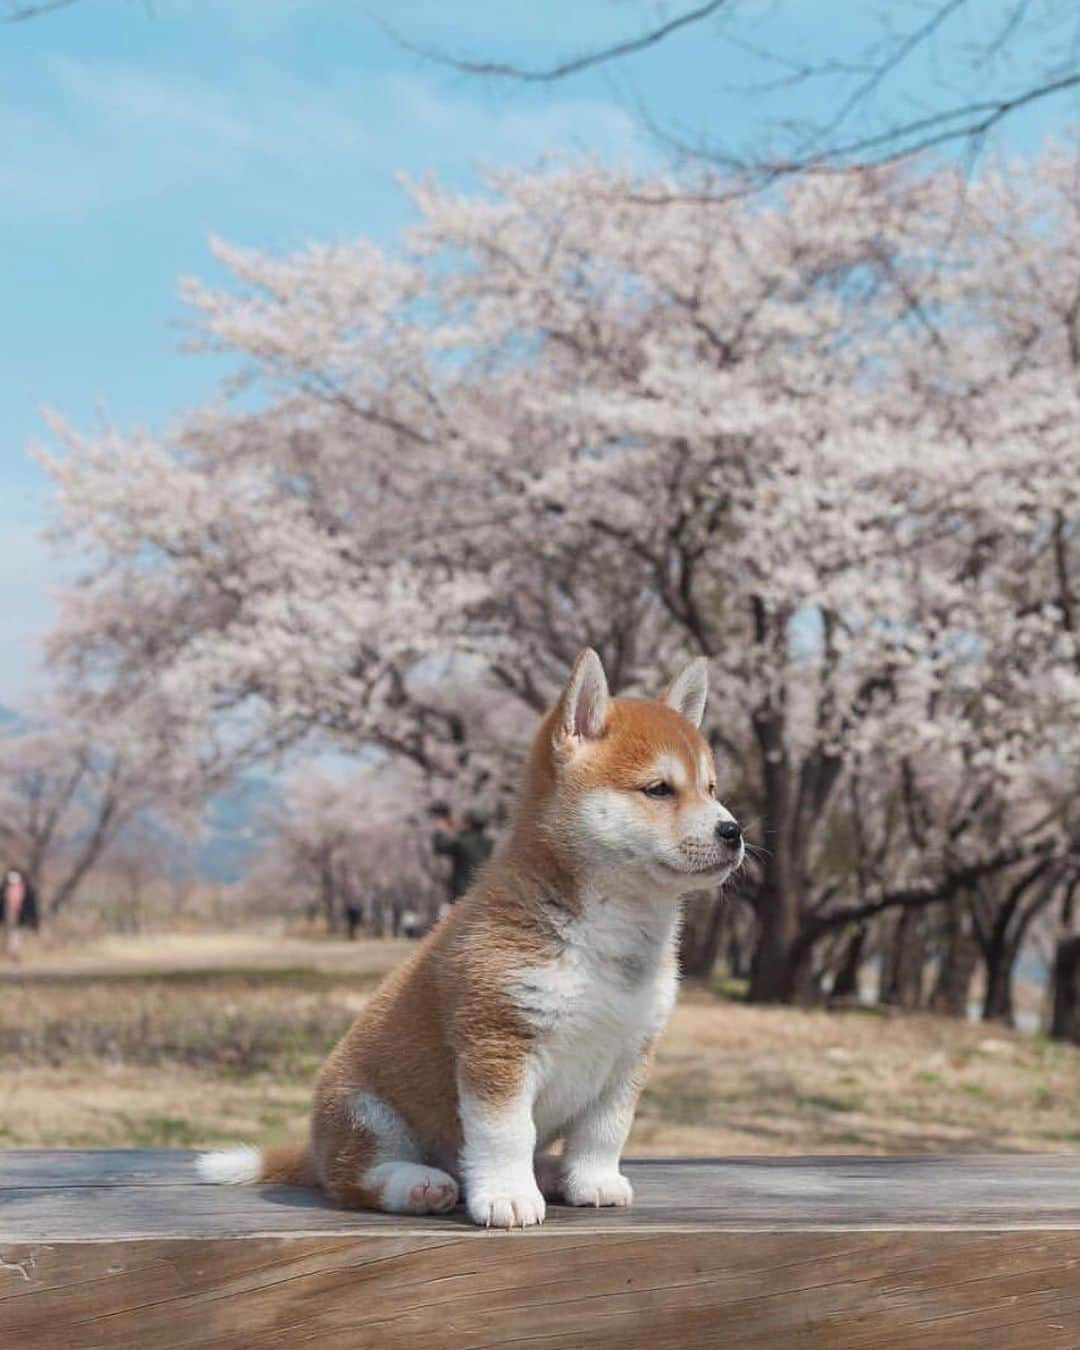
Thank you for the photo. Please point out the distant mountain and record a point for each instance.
(235, 829)
(7, 715)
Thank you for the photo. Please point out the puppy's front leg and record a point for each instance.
(589, 1174)
(499, 1138)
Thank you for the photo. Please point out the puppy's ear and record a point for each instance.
(688, 691)
(582, 710)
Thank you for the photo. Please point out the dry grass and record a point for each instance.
(736, 1079)
(187, 1041)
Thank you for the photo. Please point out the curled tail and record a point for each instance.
(289, 1165)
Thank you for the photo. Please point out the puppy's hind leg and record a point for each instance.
(412, 1188)
(372, 1161)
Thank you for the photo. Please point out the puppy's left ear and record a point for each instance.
(688, 691)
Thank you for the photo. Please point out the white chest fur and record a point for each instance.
(609, 989)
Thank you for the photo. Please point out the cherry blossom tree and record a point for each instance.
(334, 842)
(1064, 1021)
(79, 791)
(826, 441)
(65, 800)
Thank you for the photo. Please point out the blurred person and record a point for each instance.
(353, 915)
(19, 911)
(466, 843)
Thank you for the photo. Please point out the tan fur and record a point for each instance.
(445, 1016)
(288, 1165)
(443, 1012)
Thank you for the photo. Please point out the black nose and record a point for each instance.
(730, 831)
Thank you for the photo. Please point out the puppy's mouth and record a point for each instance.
(713, 871)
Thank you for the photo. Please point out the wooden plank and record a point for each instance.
(104, 1194)
(129, 1249)
(668, 1291)
(45, 1167)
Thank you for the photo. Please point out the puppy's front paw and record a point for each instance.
(585, 1186)
(506, 1207)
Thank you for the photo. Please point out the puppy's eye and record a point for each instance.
(712, 789)
(659, 790)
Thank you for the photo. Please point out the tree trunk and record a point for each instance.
(110, 820)
(782, 968)
(998, 1000)
(1065, 1014)
(1002, 945)
(699, 940)
(773, 977)
(905, 957)
(808, 989)
(959, 959)
(327, 894)
(738, 928)
(778, 957)
(846, 981)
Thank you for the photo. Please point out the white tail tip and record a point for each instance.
(230, 1166)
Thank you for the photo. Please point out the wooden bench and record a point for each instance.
(128, 1248)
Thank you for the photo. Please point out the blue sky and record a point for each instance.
(129, 131)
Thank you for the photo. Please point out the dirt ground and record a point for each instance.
(187, 1040)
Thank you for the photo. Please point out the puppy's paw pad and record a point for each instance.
(520, 1209)
(410, 1188)
(597, 1189)
(432, 1195)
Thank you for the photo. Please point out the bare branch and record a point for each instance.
(920, 894)
(886, 67)
(966, 122)
(17, 13)
(819, 148)
(573, 66)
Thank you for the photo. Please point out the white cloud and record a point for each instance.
(268, 112)
(513, 130)
(128, 98)
(113, 135)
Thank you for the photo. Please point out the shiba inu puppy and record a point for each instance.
(527, 1016)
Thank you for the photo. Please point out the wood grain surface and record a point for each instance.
(128, 1249)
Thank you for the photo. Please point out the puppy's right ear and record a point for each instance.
(582, 710)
